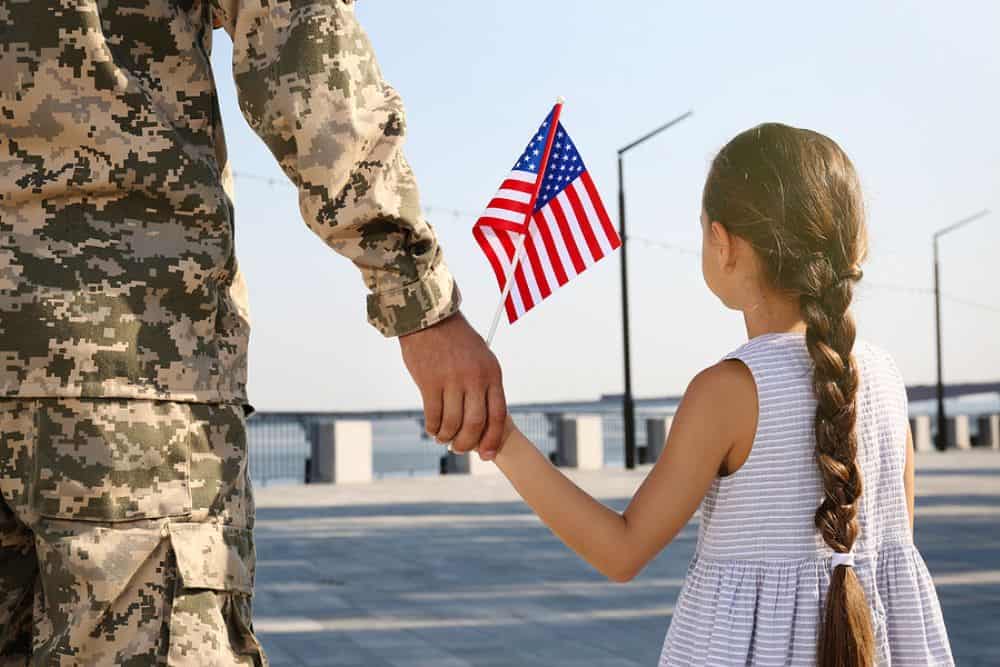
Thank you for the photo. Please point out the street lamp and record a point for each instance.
(941, 441)
(628, 406)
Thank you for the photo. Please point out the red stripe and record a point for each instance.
(499, 224)
(520, 283)
(567, 235)
(544, 164)
(536, 266)
(490, 254)
(497, 267)
(602, 215)
(550, 248)
(520, 186)
(584, 222)
(511, 310)
(508, 205)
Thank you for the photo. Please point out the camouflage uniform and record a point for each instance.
(125, 534)
(123, 311)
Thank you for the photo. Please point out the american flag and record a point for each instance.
(567, 231)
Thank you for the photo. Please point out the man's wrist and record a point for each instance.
(416, 306)
(451, 318)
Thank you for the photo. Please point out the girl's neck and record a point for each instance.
(773, 314)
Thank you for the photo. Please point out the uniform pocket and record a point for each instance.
(211, 614)
(111, 460)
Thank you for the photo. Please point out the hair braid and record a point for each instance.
(830, 337)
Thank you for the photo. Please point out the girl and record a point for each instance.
(796, 445)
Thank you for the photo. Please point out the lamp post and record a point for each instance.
(941, 441)
(628, 406)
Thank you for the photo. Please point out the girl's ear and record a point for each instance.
(722, 244)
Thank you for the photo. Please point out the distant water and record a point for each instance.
(279, 448)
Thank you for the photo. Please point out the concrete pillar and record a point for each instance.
(989, 431)
(957, 432)
(342, 452)
(920, 427)
(657, 430)
(581, 443)
(469, 464)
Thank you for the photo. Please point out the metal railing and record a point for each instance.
(280, 443)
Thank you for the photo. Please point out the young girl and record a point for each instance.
(796, 445)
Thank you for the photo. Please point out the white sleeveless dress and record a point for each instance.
(756, 587)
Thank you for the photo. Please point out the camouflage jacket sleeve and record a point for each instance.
(310, 86)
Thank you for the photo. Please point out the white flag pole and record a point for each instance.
(527, 220)
(506, 288)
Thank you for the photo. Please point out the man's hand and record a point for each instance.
(459, 380)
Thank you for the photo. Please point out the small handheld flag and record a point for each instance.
(548, 210)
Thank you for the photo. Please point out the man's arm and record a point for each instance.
(310, 86)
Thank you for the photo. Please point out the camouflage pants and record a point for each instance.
(125, 534)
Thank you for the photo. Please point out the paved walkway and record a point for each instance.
(456, 572)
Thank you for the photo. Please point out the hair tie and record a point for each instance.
(853, 273)
(847, 560)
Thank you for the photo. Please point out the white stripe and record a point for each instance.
(523, 176)
(505, 214)
(557, 239)
(491, 237)
(574, 226)
(514, 195)
(595, 220)
(543, 256)
(515, 296)
(529, 278)
(506, 260)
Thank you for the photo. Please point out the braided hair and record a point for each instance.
(794, 195)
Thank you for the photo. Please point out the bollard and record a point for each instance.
(657, 429)
(342, 452)
(989, 431)
(581, 443)
(957, 432)
(920, 427)
(469, 464)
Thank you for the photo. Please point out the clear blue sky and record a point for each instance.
(911, 93)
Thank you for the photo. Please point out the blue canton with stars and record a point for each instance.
(565, 163)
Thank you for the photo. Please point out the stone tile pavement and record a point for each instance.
(456, 572)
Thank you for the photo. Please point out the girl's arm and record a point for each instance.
(716, 417)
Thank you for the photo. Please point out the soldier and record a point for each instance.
(126, 511)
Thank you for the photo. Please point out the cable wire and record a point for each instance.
(657, 244)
